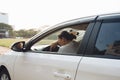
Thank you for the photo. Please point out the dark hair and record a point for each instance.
(66, 35)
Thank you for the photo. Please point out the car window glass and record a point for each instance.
(108, 41)
(43, 44)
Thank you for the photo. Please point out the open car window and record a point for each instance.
(44, 43)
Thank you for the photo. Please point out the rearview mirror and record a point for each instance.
(18, 46)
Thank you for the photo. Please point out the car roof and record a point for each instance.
(109, 16)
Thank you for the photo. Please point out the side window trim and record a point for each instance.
(86, 37)
(93, 37)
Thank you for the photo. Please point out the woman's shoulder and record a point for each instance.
(75, 42)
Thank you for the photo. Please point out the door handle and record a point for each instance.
(62, 75)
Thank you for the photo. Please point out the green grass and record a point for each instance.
(7, 42)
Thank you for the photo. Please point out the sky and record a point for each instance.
(27, 14)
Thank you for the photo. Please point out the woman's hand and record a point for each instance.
(53, 45)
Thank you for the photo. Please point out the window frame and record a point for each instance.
(89, 27)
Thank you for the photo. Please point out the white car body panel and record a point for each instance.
(98, 69)
(8, 60)
(45, 66)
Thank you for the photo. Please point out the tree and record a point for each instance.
(31, 32)
(25, 33)
(8, 28)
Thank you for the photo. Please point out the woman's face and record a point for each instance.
(62, 41)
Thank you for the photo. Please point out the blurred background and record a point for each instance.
(21, 19)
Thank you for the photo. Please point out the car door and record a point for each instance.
(102, 58)
(35, 66)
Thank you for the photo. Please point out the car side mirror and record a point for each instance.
(18, 46)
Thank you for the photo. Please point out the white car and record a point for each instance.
(97, 58)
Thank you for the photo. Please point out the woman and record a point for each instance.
(66, 42)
